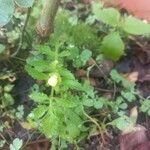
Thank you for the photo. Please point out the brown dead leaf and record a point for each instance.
(133, 139)
(80, 73)
(132, 77)
(144, 146)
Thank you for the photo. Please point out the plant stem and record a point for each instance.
(51, 97)
(46, 20)
(22, 34)
(52, 92)
(96, 123)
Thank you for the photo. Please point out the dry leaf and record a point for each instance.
(131, 77)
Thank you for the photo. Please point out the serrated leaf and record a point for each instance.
(73, 130)
(6, 11)
(110, 16)
(66, 74)
(24, 3)
(49, 125)
(64, 53)
(35, 73)
(88, 102)
(45, 49)
(67, 103)
(72, 84)
(40, 65)
(112, 46)
(38, 112)
(73, 116)
(135, 26)
(98, 104)
(39, 97)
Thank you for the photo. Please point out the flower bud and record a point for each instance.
(53, 80)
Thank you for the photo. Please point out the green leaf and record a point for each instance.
(73, 130)
(64, 53)
(123, 106)
(129, 96)
(145, 106)
(110, 16)
(6, 11)
(24, 3)
(49, 125)
(135, 26)
(112, 46)
(119, 78)
(38, 112)
(8, 99)
(66, 74)
(39, 97)
(40, 65)
(8, 87)
(88, 102)
(45, 49)
(16, 145)
(68, 103)
(122, 122)
(85, 55)
(98, 103)
(2, 48)
(116, 76)
(35, 73)
(72, 84)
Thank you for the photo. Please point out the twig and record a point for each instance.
(22, 34)
(104, 90)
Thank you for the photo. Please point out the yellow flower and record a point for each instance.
(53, 80)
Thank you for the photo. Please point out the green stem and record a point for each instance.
(52, 92)
(51, 97)
(96, 123)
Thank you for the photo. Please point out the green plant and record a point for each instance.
(117, 27)
(5, 96)
(145, 106)
(60, 113)
(125, 95)
(62, 103)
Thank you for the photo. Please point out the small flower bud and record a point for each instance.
(53, 80)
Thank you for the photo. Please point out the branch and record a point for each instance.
(45, 23)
